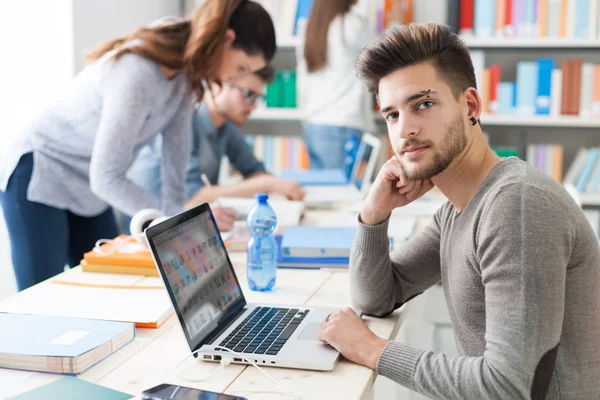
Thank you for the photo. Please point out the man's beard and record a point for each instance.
(451, 147)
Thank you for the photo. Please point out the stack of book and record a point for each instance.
(122, 255)
(279, 153)
(59, 344)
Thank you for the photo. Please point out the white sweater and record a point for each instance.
(334, 95)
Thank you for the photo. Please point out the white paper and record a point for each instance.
(11, 380)
(69, 337)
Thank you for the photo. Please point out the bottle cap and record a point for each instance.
(262, 197)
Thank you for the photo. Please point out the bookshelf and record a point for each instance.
(290, 43)
(293, 114)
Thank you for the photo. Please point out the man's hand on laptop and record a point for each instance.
(348, 334)
(390, 190)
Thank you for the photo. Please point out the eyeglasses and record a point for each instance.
(250, 96)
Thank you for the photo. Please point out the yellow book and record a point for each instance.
(118, 269)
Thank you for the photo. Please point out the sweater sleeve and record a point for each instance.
(177, 142)
(524, 242)
(127, 93)
(382, 282)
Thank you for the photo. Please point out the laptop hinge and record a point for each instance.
(222, 328)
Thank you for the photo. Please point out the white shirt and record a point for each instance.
(334, 95)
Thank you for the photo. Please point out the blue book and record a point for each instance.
(485, 18)
(506, 98)
(71, 388)
(313, 177)
(317, 241)
(586, 171)
(544, 86)
(530, 17)
(527, 76)
(308, 262)
(582, 10)
(59, 344)
(302, 14)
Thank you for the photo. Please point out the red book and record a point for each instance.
(467, 16)
(494, 81)
(508, 28)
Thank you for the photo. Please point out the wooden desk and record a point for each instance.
(152, 357)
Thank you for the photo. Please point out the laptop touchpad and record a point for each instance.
(310, 331)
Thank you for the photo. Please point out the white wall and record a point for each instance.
(98, 20)
(37, 61)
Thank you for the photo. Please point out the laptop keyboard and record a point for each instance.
(265, 330)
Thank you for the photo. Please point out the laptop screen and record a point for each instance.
(197, 272)
(362, 161)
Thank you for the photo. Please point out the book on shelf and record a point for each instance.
(281, 93)
(279, 153)
(59, 345)
(543, 87)
(71, 388)
(584, 172)
(577, 19)
(547, 158)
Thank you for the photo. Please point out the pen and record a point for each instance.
(208, 184)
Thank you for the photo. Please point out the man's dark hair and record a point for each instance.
(267, 74)
(413, 44)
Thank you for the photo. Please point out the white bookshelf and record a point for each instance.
(287, 42)
(294, 114)
(530, 43)
(588, 199)
(290, 42)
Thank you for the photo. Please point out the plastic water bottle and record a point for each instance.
(262, 247)
(350, 150)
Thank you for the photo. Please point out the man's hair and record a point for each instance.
(413, 44)
(266, 74)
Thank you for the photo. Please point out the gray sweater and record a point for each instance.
(83, 145)
(520, 268)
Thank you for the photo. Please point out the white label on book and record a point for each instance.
(70, 337)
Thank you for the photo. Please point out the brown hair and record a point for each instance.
(413, 44)
(195, 45)
(266, 74)
(315, 44)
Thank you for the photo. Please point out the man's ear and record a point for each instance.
(474, 103)
(229, 36)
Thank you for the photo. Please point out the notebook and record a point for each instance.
(147, 306)
(309, 262)
(121, 251)
(316, 241)
(71, 388)
(59, 344)
(316, 176)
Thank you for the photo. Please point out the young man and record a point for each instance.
(216, 133)
(519, 263)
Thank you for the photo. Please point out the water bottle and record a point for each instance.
(262, 248)
(350, 150)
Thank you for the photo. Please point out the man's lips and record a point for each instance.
(413, 149)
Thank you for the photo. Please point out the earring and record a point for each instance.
(473, 121)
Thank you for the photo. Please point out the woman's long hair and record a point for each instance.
(315, 44)
(195, 45)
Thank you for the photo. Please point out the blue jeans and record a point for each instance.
(44, 239)
(326, 143)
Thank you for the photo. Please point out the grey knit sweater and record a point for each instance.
(520, 267)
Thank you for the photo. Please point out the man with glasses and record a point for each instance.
(216, 134)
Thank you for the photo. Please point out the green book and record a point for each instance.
(506, 151)
(288, 83)
(274, 96)
(71, 388)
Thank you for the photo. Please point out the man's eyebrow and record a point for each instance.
(410, 99)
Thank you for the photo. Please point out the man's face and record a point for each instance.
(426, 124)
(238, 99)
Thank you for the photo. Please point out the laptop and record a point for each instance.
(205, 292)
(360, 179)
